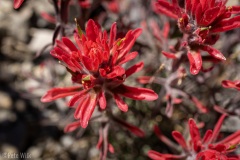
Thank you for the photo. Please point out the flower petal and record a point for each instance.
(179, 138)
(17, 3)
(217, 128)
(76, 97)
(133, 69)
(199, 105)
(213, 52)
(127, 58)
(102, 100)
(159, 156)
(88, 110)
(169, 55)
(92, 30)
(72, 126)
(120, 103)
(136, 93)
(133, 129)
(195, 135)
(113, 33)
(195, 60)
(117, 71)
(56, 93)
(69, 44)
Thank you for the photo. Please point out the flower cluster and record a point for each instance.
(201, 21)
(96, 67)
(206, 148)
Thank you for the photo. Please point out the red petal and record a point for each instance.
(72, 126)
(83, 104)
(231, 140)
(127, 58)
(135, 130)
(56, 93)
(209, 16)
(17, 3)
(195, 60)
(188, 5)
(120, 103)
(136, 93)
(203, 3)
(207, 137)
(75, 98)
(110, 148)
(228, 84)
(213, 52)
(69, 44)
(113, 33)
(194, 133)
(166, 29)
(231, 84)
(199, 13)
(166, 8)
(169, 55)
(48, 17)
(220, 109)
(144, 79)
(129, 41)
(87, 111)
(88, 63)
(102, 100)
(159, 156)
(92, 30)
(137, 32)
(226, 24)
(199, 105)
(117, 71)
(179, 138)
(217, 127)
(163, 138)
(135, 68)
(235, 9)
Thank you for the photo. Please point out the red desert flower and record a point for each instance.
(96, 67)
(206, 148)
(201, 20)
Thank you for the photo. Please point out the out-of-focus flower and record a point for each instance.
(17, 3)
(206, 148)
(231, 84)
(96, 67)
(203, 18)
(202, 21)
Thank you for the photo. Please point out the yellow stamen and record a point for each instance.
(120, 41)
(205, 28)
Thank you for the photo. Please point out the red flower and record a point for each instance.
(17, 3)
(96, 66)
(205, 148)
(201, 20)
(204, 17)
